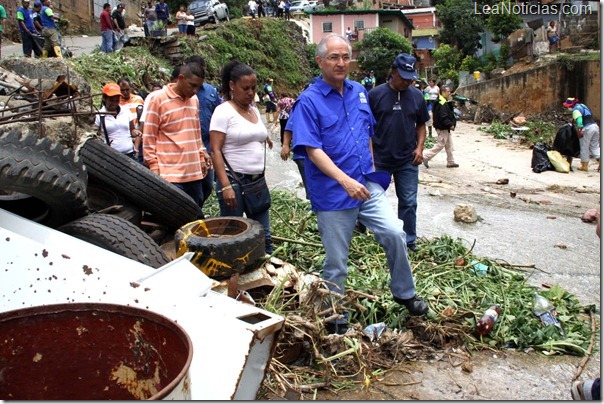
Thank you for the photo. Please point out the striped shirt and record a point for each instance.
(172, 136)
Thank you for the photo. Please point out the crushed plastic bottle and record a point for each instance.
(374, 331)
(488, 320)
(545, 310)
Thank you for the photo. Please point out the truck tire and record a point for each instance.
(102, 199)
(46, 171)
(223, 246)
(119, 236)
(24, 205)
(169, 205)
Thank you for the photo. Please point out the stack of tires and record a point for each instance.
(97, 195)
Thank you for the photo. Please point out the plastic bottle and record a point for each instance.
(544, 309)
(488, 320)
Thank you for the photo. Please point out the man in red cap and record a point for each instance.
(587, 130)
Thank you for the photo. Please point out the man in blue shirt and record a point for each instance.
(332, 126)
(208, 101)
(398, 144)
(26, 27)
(49, 31)
(162, 11)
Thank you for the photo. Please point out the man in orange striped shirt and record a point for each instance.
(172, 135)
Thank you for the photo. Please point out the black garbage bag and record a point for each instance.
(540, 162)
(567, 141)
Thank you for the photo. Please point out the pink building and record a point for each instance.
(360, 22)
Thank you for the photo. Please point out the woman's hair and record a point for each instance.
(125, 79)
(233, 71)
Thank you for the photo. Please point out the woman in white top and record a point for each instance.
(181, 20)
(117, 127)
(239, 137)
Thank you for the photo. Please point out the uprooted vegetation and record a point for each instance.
(446, 274)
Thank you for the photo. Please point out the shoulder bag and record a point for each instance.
(255, 194)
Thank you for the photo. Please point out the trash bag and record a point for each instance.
(566, 141)
(559, 162)
(540, 162)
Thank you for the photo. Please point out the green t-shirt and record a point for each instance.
(2, 16)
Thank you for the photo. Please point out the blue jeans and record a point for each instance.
(336, 227)
(195, 191)
(262, 217)
(107, 41)
(406, 179)
(182, 28)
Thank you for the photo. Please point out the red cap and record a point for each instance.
(111, 90)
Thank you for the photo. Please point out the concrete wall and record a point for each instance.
(541, 89)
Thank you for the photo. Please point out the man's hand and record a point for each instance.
(285, 150)
(269, 142)
(418, 156)
(355, 189)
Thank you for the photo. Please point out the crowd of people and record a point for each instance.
(38, 28)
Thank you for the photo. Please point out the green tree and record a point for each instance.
(502, 24)
(461, 25)
(448, 62)
(378, 49)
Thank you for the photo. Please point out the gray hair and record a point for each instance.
(444, 88)
(322, 46)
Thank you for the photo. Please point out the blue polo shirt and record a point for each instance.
(24, 14)
(289, 126)
(47, 20)
(162, 11)
(340, 125)
(208, 101)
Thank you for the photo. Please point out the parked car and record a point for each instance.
(305, 6)
(313, 6)
(206, 11)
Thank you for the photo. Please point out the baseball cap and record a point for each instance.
(405, 65)
(570, 102)
(269, 79)
(111, 90)
(37, 4)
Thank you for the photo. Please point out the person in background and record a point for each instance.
(332, 128)
(529, 39)
(587, 130)
(284, 107)
(155, 87)
(208, 101)
(252, 6)
(281, 9)
(261, 8)
(553, 37)
(288, 5)
(35, 15)
(107, 37)
(150, 15)
(348, 33)
(171, 143)
(270, 101)
(401, 115)
(238, 137)
(190, 23)
(433, 92)
(119, 25)
(117, 127)
(163, 12)
(444, 122)
(49, 31)
(26, 27)
(132, 102)
(181, 20)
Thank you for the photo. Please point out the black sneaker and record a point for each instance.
(333, 328)
(415, 305)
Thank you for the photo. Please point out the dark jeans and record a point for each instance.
(282, 123)
(300, 163)
(28, 43)
(207, 185)
(406, 179)
(195, 190)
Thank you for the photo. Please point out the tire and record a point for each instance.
(169, 205)
(223, 245)
(102, 199)
(46, 171)
(24, 205)
(119, 236)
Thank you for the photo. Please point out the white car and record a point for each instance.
(304, 6)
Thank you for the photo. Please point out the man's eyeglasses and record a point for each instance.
(335, 58)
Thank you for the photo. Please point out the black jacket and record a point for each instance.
(442, 114)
